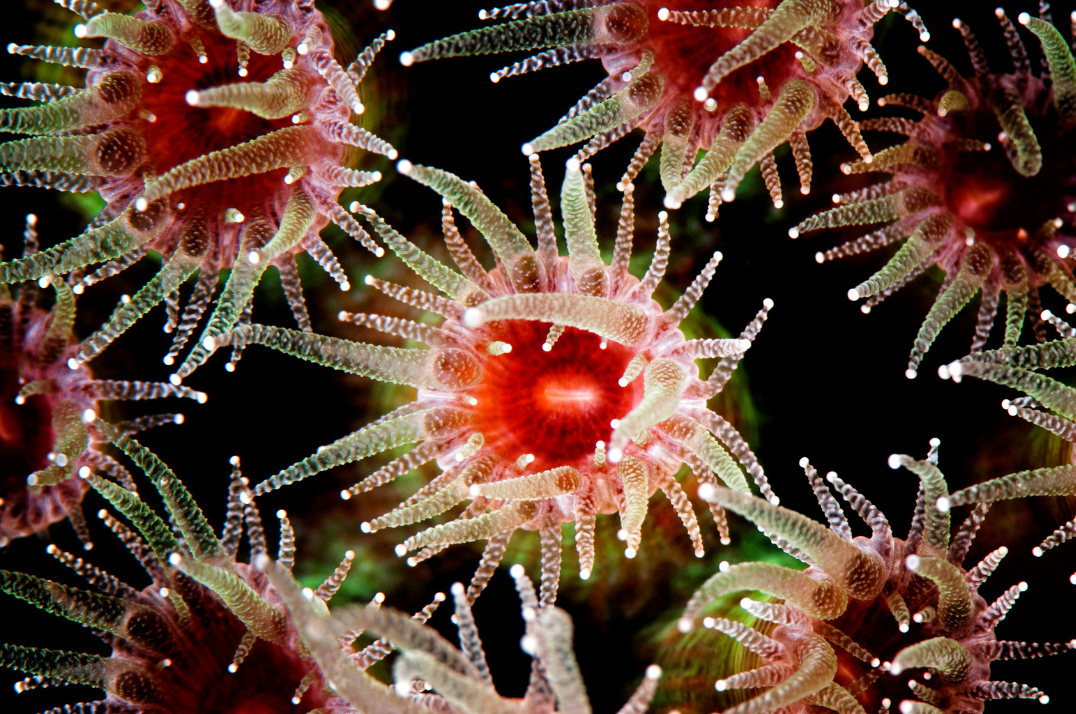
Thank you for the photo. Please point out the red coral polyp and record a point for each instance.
(734, 79)
(871, 621)
(48, 405)
(555, 389)
(982, 188)
(218, 138)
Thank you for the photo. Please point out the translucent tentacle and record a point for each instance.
(858, 571)
(626, 324)
(505, 519)
(616, 23)
(507, 241)
(823, 599)
(261, 618)
(640, 96)
(663, 383)
(285, 93)
(1062, 66)
(448, 369)
(264, 34)
(369, 440)
(584, 259)
(950, 658)
(115, 95)
(976, 265)
(698, 441)
(283, 148)
(533, 487)
(147, 38)
(793, 103)
(955, 607)
(112, 153)
(922, 243)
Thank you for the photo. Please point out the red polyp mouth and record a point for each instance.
(554, 405)
(176, 132)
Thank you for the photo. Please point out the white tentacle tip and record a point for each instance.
(572, 164)
(912, 563)
(403, 167)
(894, 461)
(401, 550)
(584, 574)
(473, 317)
(944, 504)
(721, 685)
(653, 672)
(685, 624)
(1023, 18)
(767, 303)
(516, 571)
(853, 295)
(192, 97)
(407, 59)
(527, 149)
(707, 492)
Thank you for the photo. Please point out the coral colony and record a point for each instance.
(48, 404)
(555, 389)
(209, 172)
(736, 82)
(971, 191)
(552, 388)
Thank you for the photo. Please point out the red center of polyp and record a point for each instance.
(988, 195)
(180, 132)
(25, 430)
(554, 405)
(683, 55)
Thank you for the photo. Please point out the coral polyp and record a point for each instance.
(459, 677)
(208, 634)
(46, 398)
(217, 138)
(555, 389)
(982, 188)
(734, 80)
(871, 620)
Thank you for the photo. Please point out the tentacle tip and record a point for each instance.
(1037, 552)
(721, 685)
(175, 379)
(943, 371)
(767, 303)
(944, 504)
(820, 257)
(700, 94)
(894, 461)
(671, 202)
(407, 59)
(1023, 18)
(141, 204)
(572, 164)
(401, 550)
(910, 373)
(403, 167)
(192, 97)
(365, 525)
(527, 149)
(584, 574)
(853, 295)
(473, 317)
(685, 625)
(630, 553)
(653, 672)
(912, 563)
(345, 495)
(707, 492)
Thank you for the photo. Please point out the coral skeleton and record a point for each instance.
(982, 188)
(208, 634)
(735, 82)
(218, 139)
(871, 619)
(48, 404)
(555, 388)
(459, 677)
